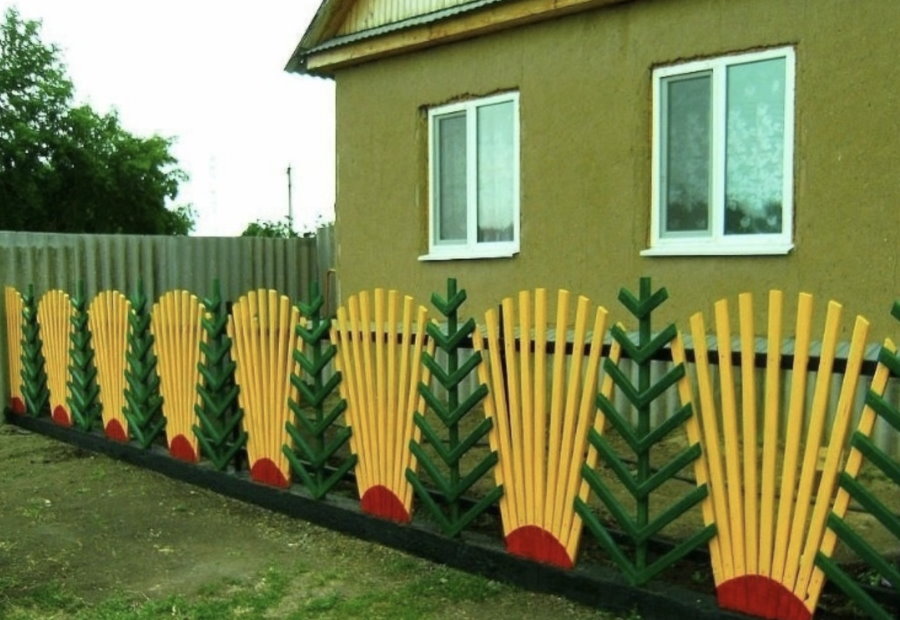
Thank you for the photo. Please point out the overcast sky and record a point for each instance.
(211, 75)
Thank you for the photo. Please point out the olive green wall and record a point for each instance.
(585, 118)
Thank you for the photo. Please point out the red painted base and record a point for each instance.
(17, 405)
(115, 431)
(535, 543)
(266, 472)
(61, 416)
(761, 596)
(379, 501)
(182, 449)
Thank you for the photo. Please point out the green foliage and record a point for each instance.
(315, 420)
(278, 229)
(219, 431)
(882, 567)
(66, 168)
(34, 375)
(82, 384)
(143, 408)
(641, 438)
(451, 412)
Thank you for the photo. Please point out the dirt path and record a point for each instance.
(78, 530)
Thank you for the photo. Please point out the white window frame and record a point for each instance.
(717, 242)
(471, 247)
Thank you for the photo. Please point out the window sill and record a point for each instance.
(772, 249)
(469, 254)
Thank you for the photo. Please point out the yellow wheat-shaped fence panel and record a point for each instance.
(108, 321)
(263, 327)
(55, 317)
(14, 307)
(761, 499)
(541, 435)
(177, 333)
(380, 363)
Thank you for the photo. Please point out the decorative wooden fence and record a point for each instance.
(60, 261)
(565, 451)
(381, 391)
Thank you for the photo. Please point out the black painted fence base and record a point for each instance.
(596, 586)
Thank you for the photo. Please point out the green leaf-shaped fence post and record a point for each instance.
(34, 375)
(890, 468)
(640, 438)
(446, 473)
(83, 389)
(143, 404)
(317, 436)
(219, 433)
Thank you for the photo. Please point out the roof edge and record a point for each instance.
(316, 40)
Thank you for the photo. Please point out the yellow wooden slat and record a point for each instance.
(587, 409)
(566, 446)
(813, 441)
(362, 423)
(394, 435)
(381, 412)
(416, 401)
(348, 386)
(500, 433)
(371, 405)
(710, 429)
(796, 409)
(731, 440)
(244, 319)
(606, 389)
(701, 467)
(532, 501)
(854, 463)
(292, 342)
(557, 396)
(14, 307)
(836, 445)
(770, 432)
(540, 393)
(517, 479)
(749, 432)
(403, 383)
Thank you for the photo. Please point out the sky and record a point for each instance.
(210, 75)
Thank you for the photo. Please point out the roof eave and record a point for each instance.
(320, 54)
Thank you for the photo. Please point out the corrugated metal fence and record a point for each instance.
(51, 261)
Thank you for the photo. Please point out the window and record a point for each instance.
(723, 155)
(474, 179)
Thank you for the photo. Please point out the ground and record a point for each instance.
(84, 536)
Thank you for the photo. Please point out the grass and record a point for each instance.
(432, 592)
(84, 537)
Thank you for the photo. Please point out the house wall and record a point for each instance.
(585, 114)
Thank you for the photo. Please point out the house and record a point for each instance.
(716, 145)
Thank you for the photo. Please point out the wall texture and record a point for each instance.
(585, 118)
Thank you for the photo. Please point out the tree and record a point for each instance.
(280, 229)
(67, 168)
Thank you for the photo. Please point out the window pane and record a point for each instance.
(450, 156)
(496, 169)
(686, 154)
(754, 149)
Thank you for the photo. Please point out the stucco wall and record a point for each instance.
(585, 118)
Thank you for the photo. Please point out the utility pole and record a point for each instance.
(290, 199)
